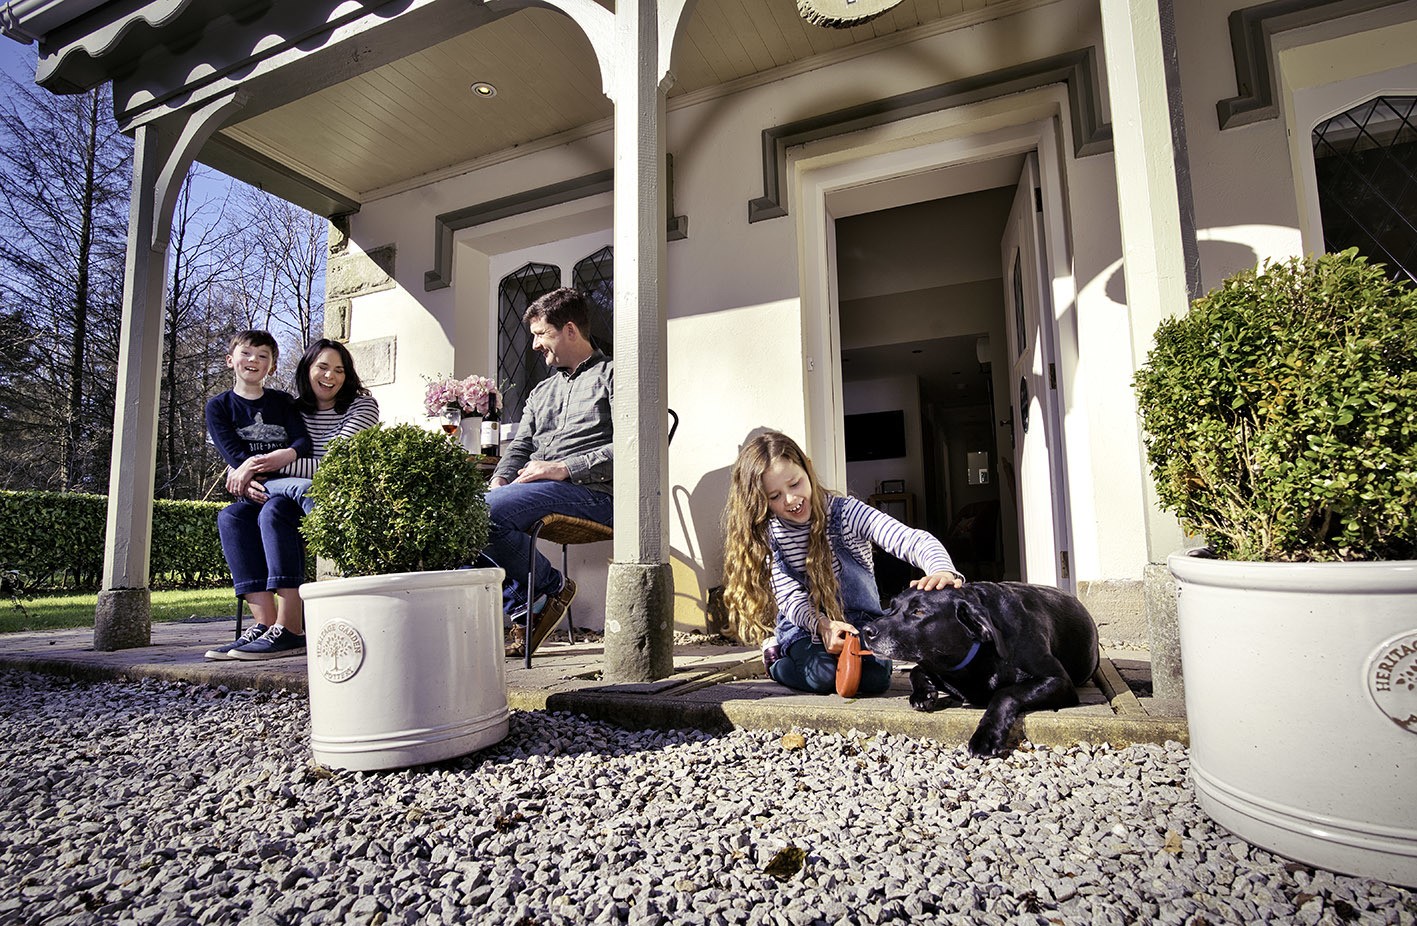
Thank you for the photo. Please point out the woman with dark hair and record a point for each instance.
(333, 403)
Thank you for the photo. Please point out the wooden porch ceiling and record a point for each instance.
(417, 116)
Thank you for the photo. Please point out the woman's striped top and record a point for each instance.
(324, 426)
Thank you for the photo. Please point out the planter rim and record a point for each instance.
(1381, 577)
(401, 581)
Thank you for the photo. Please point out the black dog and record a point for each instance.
(1008, 646)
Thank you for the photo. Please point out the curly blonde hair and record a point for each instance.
(747, 581)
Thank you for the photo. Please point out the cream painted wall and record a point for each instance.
(738, 347)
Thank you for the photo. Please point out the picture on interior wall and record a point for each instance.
(889, 486)
(875, 436)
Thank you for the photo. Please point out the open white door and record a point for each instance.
(1033, 392)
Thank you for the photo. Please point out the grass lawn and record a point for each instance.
(55, 612)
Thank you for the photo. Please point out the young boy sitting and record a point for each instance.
(258, 431)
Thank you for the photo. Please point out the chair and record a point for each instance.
(566, 530)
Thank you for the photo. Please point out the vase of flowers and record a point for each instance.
(471, 394)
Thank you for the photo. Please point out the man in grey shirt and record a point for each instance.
(561, 460)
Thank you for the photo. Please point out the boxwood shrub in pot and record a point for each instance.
(398, 499)
(1281, 426)
(406, 652)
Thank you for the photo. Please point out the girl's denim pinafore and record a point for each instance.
(861, 604)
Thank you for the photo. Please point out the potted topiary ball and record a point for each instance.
(1281, 423)
(406, 660)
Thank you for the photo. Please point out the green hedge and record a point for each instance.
(56, 538)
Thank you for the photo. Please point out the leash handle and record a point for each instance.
(848, 666)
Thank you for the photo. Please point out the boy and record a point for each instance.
(258, 431)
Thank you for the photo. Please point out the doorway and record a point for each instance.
(941, 291)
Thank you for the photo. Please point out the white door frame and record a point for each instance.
(817, 268)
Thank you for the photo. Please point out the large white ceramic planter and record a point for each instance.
(405, 669)
(1301, 697)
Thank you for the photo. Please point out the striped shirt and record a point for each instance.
(327, 424)
(862, 526)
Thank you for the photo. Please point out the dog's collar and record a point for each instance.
(968, 658)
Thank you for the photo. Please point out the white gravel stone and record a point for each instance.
(170, 803)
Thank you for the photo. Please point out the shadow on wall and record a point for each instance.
(699, 515)
(1224, 257)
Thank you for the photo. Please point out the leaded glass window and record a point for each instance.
(519, 368)
(595, 276)
(1365, 161)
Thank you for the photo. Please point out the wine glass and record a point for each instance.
(451, 419)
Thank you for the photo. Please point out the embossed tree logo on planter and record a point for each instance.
(340, 651)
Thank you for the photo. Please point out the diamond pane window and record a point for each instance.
(595, 276)
(519, 368)
(1366, 163)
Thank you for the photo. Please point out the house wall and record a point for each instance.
(741, 353)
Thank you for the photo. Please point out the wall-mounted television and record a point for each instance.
(875, 436)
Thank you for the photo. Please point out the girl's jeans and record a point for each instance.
(807, 666)
(292, 488)
(262, 544)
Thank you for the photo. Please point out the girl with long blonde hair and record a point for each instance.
(797, 565)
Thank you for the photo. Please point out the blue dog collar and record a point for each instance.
(968, 658)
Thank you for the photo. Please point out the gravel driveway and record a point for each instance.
(171, 803)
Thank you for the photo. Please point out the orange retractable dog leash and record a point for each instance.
(848, 666)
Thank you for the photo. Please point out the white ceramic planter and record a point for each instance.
(1301, 697)
(405, 669)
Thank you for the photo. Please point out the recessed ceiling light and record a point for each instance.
(483, 89)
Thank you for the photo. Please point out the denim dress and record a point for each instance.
(803, 662)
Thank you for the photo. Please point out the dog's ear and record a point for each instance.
(977, 621)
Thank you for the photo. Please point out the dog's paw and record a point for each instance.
(926, 701)
(988, 745)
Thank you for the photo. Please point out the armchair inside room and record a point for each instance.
(973, 540)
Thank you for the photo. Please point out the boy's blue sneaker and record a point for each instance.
(251, 634)
(273, 644)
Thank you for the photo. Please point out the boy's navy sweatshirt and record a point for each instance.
(242, 428)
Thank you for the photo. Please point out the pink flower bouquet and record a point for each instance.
(470, 394)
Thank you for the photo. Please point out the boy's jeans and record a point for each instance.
(262, 544)
(292, 488)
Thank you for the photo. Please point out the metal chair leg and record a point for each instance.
(530, 594)
(240, 611)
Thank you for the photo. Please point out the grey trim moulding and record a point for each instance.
(1077, 69)
(237, 160)
(449, 223)
(1252, 32)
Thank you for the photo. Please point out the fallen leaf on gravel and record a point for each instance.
(793, 741)
(1173, 843)
(786, 863)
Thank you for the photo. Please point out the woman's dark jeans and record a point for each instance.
(262, 544)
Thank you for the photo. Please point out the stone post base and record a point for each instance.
(639, 622)
(1168, 685)
(123, 619)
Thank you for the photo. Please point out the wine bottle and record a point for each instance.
(492, 428)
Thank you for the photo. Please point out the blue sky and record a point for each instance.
(17, 59)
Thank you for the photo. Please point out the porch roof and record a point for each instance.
(344, 102)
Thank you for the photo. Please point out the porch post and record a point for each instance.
(639, 617)
(123, 617)
(1159, 257)
(162, 155)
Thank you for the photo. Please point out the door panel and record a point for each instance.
(1034, 407)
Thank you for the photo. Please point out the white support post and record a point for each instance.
(123, 616)
(639, 620)
(1148, 198)
(161, 159)
(1158, 250)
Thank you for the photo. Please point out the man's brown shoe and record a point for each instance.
(550, 615)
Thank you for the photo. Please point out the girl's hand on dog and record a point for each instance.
(937, 580)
